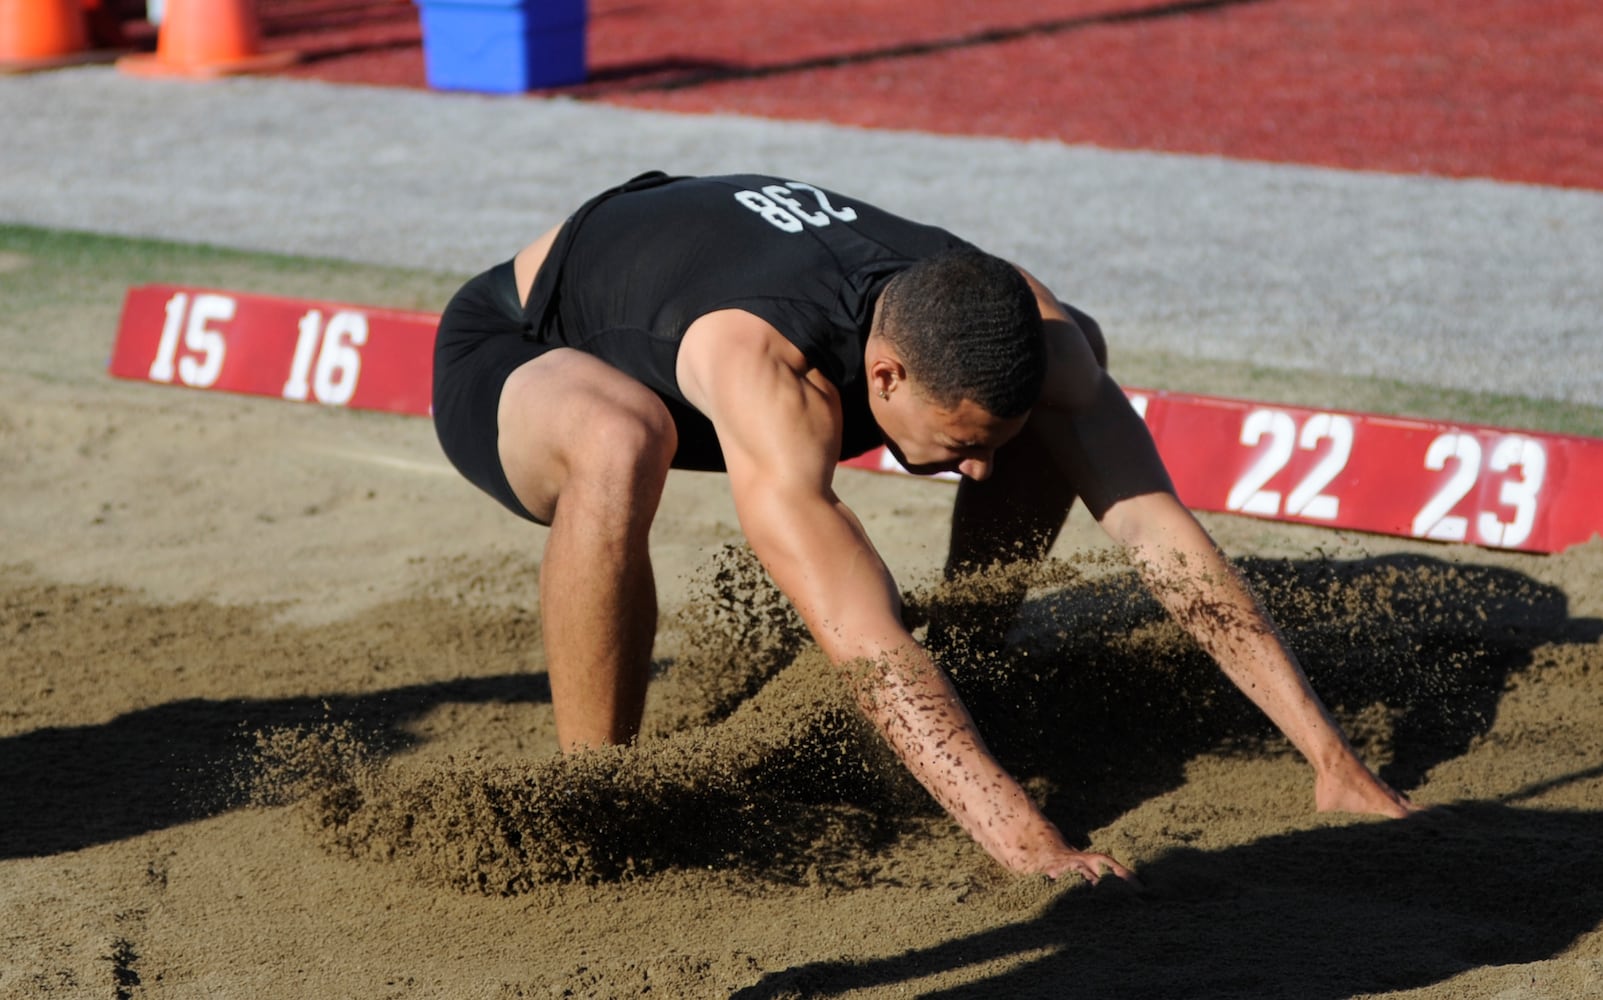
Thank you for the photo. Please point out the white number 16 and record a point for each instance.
(339, 363)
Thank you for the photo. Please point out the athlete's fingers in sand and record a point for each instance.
(1413, 808)
(1092, 867)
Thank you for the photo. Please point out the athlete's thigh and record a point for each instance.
(566, 414)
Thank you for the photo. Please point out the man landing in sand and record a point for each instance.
(770, 328)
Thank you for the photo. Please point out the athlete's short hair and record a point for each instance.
(967, 326)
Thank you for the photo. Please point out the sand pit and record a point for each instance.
(277, 725)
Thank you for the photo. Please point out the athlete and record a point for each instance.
(771, 328)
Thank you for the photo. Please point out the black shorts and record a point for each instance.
(485, 334)
(479, 343)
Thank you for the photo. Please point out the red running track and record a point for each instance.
(1507, 89)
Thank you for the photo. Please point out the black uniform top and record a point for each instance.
(636, 265)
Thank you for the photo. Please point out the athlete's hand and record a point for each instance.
(1060, 862)
(1354, 788)
(1091, 867)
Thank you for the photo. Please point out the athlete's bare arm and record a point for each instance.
(1108, 454)
(779, 425)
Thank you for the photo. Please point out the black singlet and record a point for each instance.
(636, 265)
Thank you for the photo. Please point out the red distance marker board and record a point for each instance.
(1487, 486)
(1476, 484)
(304, 351)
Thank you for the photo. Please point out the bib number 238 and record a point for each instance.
(792, 206)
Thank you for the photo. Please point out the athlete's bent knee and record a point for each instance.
(624, 452)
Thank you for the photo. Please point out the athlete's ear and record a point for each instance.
(885, 372)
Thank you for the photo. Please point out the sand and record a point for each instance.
(277, 725)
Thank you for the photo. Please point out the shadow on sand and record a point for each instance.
(1317, 914)
(63, 789)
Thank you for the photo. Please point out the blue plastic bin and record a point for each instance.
(503, 46)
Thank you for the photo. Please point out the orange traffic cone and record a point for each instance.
(42, 34)
(206, 38)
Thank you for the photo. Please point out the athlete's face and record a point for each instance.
(927, 438)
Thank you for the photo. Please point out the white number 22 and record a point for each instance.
(1308, 498)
